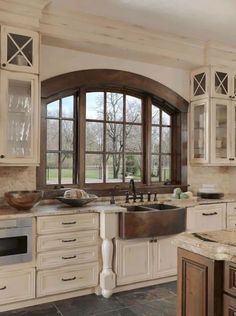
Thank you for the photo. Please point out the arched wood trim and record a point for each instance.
(115, 79)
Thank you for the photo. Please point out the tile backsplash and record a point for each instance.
(17, 178)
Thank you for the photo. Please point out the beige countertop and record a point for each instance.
(57, 208)
(217, 245)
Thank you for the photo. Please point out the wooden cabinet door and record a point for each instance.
(221, 83)
(229, 306)
(133, 261)
(200, 285)
(199, 83)
(164, 257)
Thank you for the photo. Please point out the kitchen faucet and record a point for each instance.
(133, 195)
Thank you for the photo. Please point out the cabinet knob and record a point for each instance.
(4, 65)
(231, 158)
(2, 156)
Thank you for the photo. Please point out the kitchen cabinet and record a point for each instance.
(17, 285)
(213, 82)
(19, 119)
(231, 215)
(19, 50)
(206, 217)
(229, 306)
(199, 291)
(199, 131)
(67, 253)
(156, 258)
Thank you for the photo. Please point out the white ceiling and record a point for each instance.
(202, 19)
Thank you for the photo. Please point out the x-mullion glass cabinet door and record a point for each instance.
(19, 116)
(199, 128)
(221, 131)
(221, 83)
(19, 50)
(199, 84)
(233, 134)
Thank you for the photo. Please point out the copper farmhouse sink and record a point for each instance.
(151, 221)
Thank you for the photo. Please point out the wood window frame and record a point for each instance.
(151, 91)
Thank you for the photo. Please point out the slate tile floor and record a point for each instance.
(159, 300)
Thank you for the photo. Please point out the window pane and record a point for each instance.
(53, 109)
(166, 140)
(67, 168)
(94, 136)
(133, 167)
(165, 168)
(114, 107)
(52, 134)
(95, 105)
(94, 168)
(52, 169)
(155, 140)
(114, 166)
(133, 109)
(133, 138)
(67, 135)
(68, 107)
(114, 137)
(165, 118)
(155, 174)
(155, 115)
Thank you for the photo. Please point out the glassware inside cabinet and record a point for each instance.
(221, 131)
(19, 118)
(199, 132)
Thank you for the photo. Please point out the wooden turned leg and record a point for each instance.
(107, 276)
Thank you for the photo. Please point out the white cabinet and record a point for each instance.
(231, 215)
(17, 285)
(19, 49)
(165, 257)
(199, 131)
(19, 119)
(140, 260)
(213, 82)
(134, 260)
(206, 217)
(67, 253)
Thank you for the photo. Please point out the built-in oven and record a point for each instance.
(16, 241)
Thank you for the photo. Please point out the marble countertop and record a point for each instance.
(57, 208)
(217, 245)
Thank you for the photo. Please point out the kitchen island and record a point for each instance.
(207, 273)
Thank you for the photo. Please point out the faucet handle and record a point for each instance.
(149, 196)
(141, 196)
(155, 197)
(127, 197)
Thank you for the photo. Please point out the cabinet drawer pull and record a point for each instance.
(69, 279)
(209, 214)
(69, 223)
(3, 288)
(69, 240)
(67, 258)
(231, 158)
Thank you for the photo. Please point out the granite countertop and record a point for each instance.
(52, 207)
(217, 245)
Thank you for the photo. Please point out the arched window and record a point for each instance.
(98, 134)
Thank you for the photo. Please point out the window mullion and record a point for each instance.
(60, 141)
(124, 140)
(104, 138)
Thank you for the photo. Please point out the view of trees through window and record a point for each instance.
(114, 139)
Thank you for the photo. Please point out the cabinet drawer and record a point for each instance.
(231, 209)
(66, 223)
(206, 217)
(69, 240)
(67, 279)
(229, 306)
(230, 278)
(46, 260)
(231, 222)
(17, 286)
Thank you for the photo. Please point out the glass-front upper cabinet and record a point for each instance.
(221, 83)
(19, 117)
(198, 138)
(19, 50)
(221, 144)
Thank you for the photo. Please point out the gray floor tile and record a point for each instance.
(38, 310)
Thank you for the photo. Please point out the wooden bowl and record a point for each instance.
(23, 200)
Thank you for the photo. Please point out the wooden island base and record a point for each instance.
(206, 287)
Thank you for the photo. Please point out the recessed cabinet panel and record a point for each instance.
(199, 131)
(19, 49)
(19, 118)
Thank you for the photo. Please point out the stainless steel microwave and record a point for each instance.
(16, 241)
